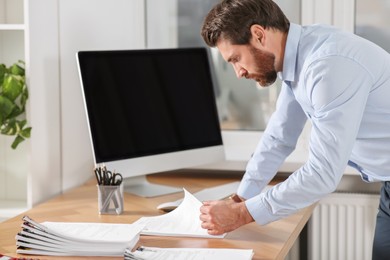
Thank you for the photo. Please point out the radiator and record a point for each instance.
(342, 227)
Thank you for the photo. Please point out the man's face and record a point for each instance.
(250, 62)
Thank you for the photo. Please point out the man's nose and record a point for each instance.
(240, 72)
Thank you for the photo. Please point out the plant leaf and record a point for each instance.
(16, 69)
(16, 111)
(17, 141)
(3, 70)
(10, 128)
(22, 123)
(6, 108)
(12, 86)
(24, 97)
(26, 133)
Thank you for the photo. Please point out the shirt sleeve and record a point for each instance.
(336, 90)
(278, 141)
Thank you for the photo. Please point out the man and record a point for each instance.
(337, 80)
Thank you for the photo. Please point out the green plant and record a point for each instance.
(13, 98)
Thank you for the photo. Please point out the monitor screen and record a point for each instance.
(150, 107)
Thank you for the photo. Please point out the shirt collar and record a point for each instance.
(291, 52)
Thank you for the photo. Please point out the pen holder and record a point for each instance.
(110, 199)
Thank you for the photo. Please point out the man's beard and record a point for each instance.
(265, 73)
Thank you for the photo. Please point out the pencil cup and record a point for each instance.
(110, 199)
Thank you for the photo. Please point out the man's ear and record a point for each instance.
(258, 34)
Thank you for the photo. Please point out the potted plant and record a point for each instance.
(13, 98)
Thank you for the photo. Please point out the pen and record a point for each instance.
(105, 177)
(98, 175)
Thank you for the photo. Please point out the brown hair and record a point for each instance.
(232, 20)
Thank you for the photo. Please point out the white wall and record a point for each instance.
(89, 25)
(42, 48)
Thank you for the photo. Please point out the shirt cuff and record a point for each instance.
(259, 210)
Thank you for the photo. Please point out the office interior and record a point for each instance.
(46, 34)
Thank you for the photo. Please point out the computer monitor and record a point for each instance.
(150, 111)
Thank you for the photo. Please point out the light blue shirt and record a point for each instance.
(341, 83)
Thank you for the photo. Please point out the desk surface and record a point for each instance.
(272, 241)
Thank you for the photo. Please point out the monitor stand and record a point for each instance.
(140, 186)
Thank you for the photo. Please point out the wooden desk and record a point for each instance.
(272, 241)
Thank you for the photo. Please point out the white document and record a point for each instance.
(153, 253)
(183, 221)
(214, 193)
(94, 232)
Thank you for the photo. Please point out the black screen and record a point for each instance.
(147, 102)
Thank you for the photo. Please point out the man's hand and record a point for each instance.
(219, 217)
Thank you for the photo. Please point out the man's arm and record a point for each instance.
(278, 141)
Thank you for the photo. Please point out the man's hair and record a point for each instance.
(232, 19)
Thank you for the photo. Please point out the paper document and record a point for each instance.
(76, 239)
(214, 193)
(189, 253)
(183, 221)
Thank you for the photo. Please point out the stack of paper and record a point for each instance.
(76, 239)
(156, 253)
